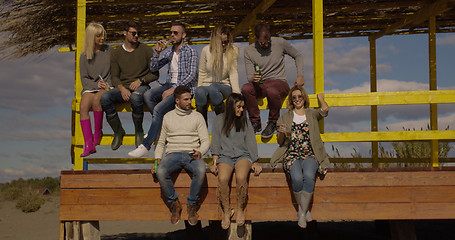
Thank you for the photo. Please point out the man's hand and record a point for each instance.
(256, 77)
(160, 45)
(196, 154)
(168, 92)
(134, 85)
(257, 169)
(299, 81)
(125, 93)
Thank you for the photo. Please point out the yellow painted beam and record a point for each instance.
(318, 46)
(387, 98)
(433, 9)
(327, 137)
(389, 136)
(250, 19)
(353, 99)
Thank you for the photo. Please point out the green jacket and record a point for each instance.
(313, 116)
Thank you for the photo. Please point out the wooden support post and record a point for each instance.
(433, 86)
(374, 108)
(91, 230)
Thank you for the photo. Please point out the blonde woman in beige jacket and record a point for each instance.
(218, 75)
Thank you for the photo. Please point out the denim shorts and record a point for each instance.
(232, 161)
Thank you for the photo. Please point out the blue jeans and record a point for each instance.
(303, 174)
(113, 96)
(157, 107)
(174, 162)
(216, 92)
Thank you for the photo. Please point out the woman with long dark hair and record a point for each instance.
(234, 148)
(301, 148)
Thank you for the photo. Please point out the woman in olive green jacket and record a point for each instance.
(301, 148)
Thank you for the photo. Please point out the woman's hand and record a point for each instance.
(101, 84)
(257, 169)
(214, 169)
(322, 102)
(282, 128)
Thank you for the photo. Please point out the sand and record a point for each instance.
(44, 225)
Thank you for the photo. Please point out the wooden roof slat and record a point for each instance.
(250, 19)
(422, 15)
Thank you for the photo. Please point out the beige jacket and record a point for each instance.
(313, 116)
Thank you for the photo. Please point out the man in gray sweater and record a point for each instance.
(269, 81)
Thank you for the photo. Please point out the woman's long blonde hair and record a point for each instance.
(93, 29)
(216, 50)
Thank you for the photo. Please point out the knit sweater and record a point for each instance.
(271, 60)
(228, 77)
(92, 69)
(237, 144)
(127, 67)
(182, 131)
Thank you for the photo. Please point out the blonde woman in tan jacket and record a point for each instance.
(301, 148)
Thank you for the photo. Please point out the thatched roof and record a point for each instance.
(34, 26)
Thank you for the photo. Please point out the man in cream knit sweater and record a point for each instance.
(186, 137)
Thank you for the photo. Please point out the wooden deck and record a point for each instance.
(344, 194)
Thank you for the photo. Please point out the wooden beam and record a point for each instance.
(250, 19)
(422, 15)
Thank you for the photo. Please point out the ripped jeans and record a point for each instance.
(113, 96)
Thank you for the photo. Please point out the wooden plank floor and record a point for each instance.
(347, 194)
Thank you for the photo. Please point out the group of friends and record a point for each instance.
(181, 135)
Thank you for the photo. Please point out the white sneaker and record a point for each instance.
(139, 152)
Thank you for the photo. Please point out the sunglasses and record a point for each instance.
(134, 33)
(264, 43)
(173, 32)
(99, 37)
(296, 97)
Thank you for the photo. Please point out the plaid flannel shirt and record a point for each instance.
(187, 66)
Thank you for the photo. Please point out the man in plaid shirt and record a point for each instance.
(183, 71)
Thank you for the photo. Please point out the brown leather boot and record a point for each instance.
(176, 211)
(192, 214)
(242, 198)
(223, 197)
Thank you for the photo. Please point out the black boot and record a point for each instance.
(203, 110)
(138, 130)
(116, 125)
(219, 108)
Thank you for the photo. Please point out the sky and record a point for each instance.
(36, 94)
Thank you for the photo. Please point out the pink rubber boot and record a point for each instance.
(98, 115)
(88, 138)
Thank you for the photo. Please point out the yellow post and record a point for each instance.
(318, 46)
(374, 108)
(80, 28)
(433, 86)
(318, 51)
